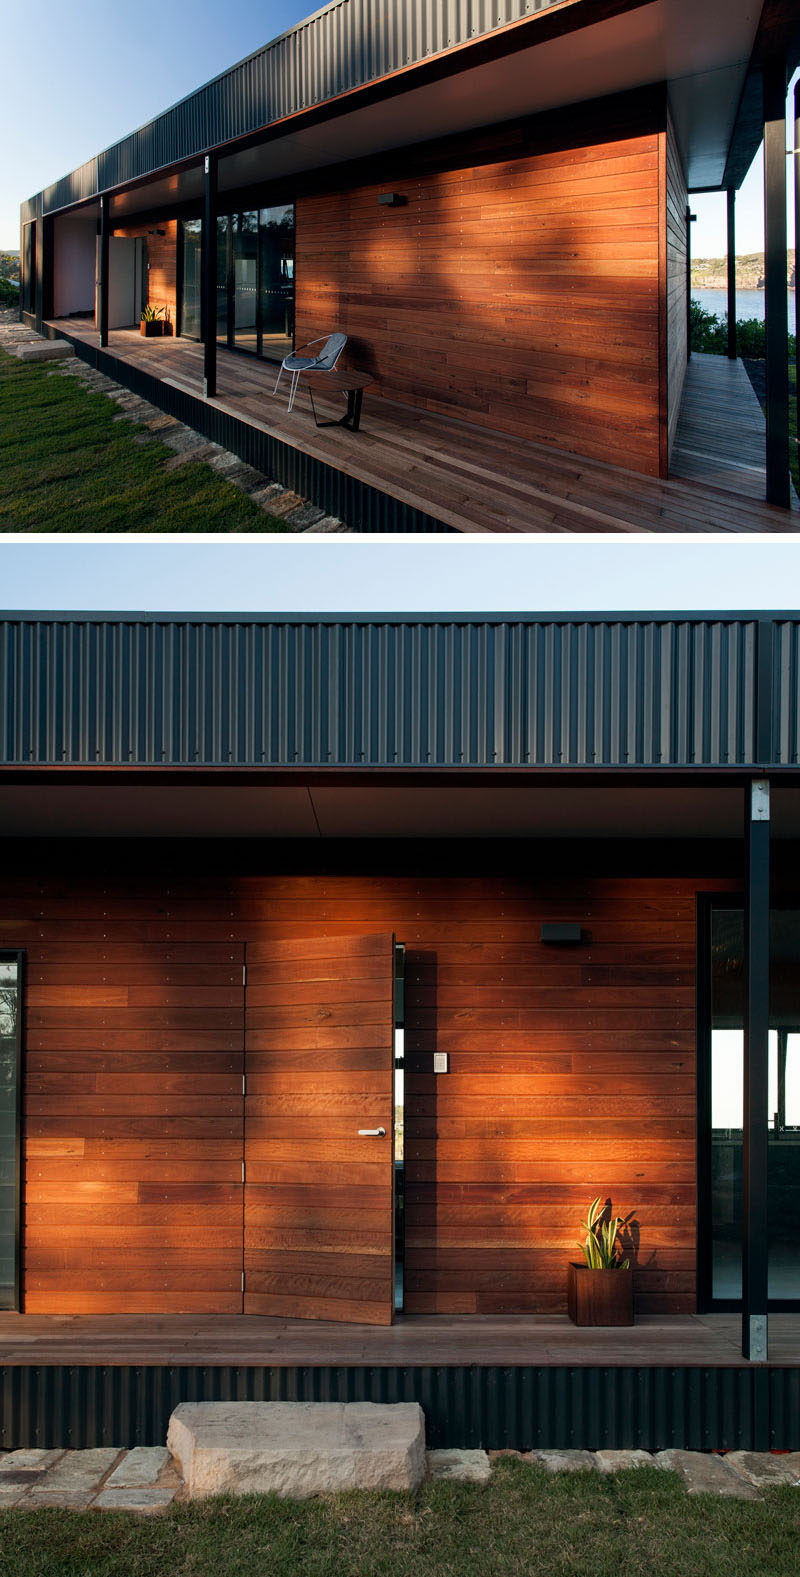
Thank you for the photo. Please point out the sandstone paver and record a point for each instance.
(610, 1461)
(146, 1499)
(467, 1467)
(139, 1468)
(763, 1469)
(706, 1474)
(564, 1461)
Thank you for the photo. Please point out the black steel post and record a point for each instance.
(103, 281)
(776, 306)
(690, 219)
(210, 278)
(731, 273)
(39, 286)
(755, 1267)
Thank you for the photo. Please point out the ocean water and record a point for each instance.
(749, 304)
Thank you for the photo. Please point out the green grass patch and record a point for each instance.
(634, 1524)
(67, 465)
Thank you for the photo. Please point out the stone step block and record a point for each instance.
(45, 350)
(297, 1449)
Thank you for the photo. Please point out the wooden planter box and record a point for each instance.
(599, 1297)
(151, 330)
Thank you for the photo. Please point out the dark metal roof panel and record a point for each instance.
(346, 45)
(380, 692)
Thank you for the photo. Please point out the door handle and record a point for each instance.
(372, 1133)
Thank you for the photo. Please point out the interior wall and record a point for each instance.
(516, 282)
(74, 245)
(162, 259)
(571, 1069)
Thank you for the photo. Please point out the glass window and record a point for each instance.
(191, 298)
(223, 304)
(9, 1125)
(277, 282)
(727, 1086)
(245, 280)
(29, 268)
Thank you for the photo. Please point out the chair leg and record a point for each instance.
(295, 381)
(278, 379)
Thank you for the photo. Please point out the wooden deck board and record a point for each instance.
(475, 480)
(721, 435)
(710, 1340)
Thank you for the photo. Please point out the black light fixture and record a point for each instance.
(569, 935)
(392, 200)
(156, 232)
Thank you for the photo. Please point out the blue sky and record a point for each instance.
(239, 575)
(117, 64)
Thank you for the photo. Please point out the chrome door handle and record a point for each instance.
(372, 1133)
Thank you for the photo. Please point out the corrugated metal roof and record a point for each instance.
(418, 692)
(346, 45)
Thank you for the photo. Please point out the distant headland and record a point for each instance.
(711, 273)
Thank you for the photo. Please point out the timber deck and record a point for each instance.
(409, 468)
(711, 1341)
(722, 435)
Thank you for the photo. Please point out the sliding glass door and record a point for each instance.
(724, 1105)
(255, 281)
(276, 286)
(192, 279)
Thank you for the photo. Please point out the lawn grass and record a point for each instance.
(524, 1521)
(67, 465)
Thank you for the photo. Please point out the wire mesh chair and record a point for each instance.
(298, 363)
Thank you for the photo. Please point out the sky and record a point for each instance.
(238, 575)
(117, 64)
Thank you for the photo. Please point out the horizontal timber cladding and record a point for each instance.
(516, 285)
(571, 1073)
(516, 1406)
(676, 284)
(142, 691)
(319, 1196)
(132, 1111)
(162, 259)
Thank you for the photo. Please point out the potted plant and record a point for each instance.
(600, 1292)
(151, 322)
(166, 327)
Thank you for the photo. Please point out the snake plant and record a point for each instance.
(601, 1249)
(150, 314)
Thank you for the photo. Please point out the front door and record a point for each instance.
(319, 1116)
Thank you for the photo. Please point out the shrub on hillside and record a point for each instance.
(710, 333)
(9, 294)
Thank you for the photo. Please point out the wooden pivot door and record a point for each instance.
(319, 1129)
(133, 1116)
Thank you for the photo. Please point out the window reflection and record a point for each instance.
(727, 1070)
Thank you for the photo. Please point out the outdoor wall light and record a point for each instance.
(392, 200)
(156, 232)
(565, 934)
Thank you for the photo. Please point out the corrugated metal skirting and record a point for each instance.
(516, 1407)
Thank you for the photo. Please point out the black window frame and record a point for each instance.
(17, 956)
(706, 1302)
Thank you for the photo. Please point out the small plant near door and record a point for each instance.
(600, 1292)
(151, 323)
